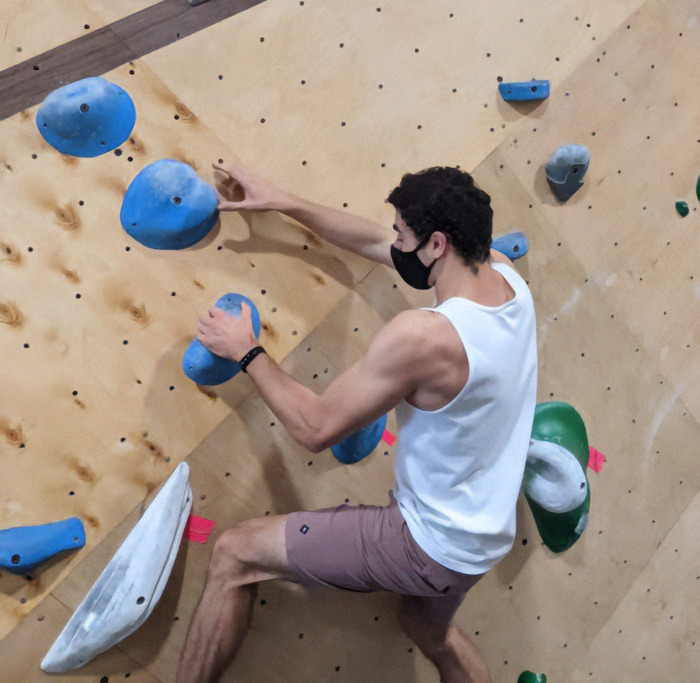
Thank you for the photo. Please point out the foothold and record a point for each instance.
(86, 118)
(682, 208)
(513, 245)
(361, 443)
(566, 168)
(206, 368)
(167, 206)
(129, 587)
(23, 549)
(529, 677)
(560, 424)
(524, 91)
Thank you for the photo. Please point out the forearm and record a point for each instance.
(293, 404)
(357, 234)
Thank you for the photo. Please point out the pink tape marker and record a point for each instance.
(198, 529)
(388, 437)
(595, 459)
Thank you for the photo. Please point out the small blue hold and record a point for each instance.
(361, 443)
(521, 92)
(204, 367)
(513, 245)
(86, 118)
(167, 206)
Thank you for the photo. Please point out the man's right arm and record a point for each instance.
(354, 233)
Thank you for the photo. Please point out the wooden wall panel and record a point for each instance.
(605, 344)
(30, 27)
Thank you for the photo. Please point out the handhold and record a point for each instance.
(559, 423)
(697, 188)
(131, 584)
(530, 677)
(167, 206)
(86, 118)
(554, 478)
(566, 168)
(24, 548)
(361, 443)
(682, 208)
(523, 91)
(513, 245)
(204, 367)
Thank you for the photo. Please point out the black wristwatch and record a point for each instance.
(250, 356)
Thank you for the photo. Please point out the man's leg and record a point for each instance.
(455, 656)
(252, 552)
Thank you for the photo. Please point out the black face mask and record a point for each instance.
(412, 271)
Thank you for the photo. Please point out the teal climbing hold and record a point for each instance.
(697, 188)
(682, 208)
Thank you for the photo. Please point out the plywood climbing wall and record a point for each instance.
(335, 101)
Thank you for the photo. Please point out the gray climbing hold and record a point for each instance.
(167, 206)
(86, 118)
(566, 168)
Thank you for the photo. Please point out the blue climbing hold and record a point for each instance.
(566, 168)
(521, 92)
(513, 245)
(167, 206)
(86, 118)
(24, 548)
(361, 443)
(204, 367)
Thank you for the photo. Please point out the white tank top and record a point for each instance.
(459, 469)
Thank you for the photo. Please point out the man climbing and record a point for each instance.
(462, 377)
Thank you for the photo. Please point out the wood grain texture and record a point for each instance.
(614, 286)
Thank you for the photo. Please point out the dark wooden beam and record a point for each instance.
(26, 84)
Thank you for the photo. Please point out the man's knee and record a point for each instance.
(240, 555)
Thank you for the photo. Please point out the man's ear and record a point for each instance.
(438, 242)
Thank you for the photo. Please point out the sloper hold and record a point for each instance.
(167, 206)
(204, 367)
(23, 549)
(131, 584)
(86, 118)
(566, 168)
(560, 424)
(524, 91)
(361, 443)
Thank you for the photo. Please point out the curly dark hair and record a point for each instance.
(446, 200)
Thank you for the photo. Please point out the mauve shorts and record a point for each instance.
(369, 548)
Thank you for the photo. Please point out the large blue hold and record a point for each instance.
(204, 367)
(361, 443)
(167, 206)
(86, 118)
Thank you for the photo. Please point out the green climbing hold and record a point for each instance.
(682, 209)
(697, 188)
(529, 677)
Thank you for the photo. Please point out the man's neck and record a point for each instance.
(480, 283)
